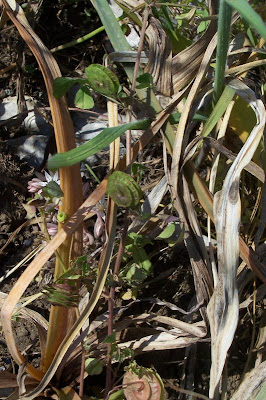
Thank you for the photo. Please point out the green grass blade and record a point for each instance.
(247, 12)
(107, 136)
(218, 110)
(224, 25)
(109, 21)
(113, 31)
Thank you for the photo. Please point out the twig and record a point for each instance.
(111, 301)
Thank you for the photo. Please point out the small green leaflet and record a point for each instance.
(204, 24)
(145, 81)
(93, 366)
(52, 189)
(167, 232)
(63, 84)
(102, 80)
(107, 136)
(119, 395)
(110, 338)
(83, 98)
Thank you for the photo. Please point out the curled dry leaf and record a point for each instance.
(223, 307)
(160, 57)
(142, 384)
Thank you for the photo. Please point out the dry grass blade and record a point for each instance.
(161, 341)
(97, 291)
(70, 179)
(160, 57)
(245, 67)
(206, 200)
(181, 334)
(251, 167)
(199, 261)
(223, 307)
(187, 62)
(179, 139)
(253, 382)
(27, 313)
(34, 268)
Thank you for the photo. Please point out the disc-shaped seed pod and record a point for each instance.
(102, 80)
(145, 385)
(123, 190)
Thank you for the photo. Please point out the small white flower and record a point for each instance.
(36, 184)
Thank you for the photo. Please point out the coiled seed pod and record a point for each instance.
(102, 80)
(123, 189)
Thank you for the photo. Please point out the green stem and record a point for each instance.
(92, 173)
(224, 25)
(81, 39)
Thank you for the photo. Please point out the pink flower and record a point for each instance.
(36, 184)
(87, 238)
(52, 229)
(98, 226)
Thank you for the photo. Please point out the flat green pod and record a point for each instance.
(102, 80)
(123, 190)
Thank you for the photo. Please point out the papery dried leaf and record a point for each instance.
(173, 339)
(253, 382)
(160, 57)
(9, 380)
(186, 63)
(223, 307)
(251, 167)
(137, 389)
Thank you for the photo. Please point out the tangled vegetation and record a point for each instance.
(189, 99)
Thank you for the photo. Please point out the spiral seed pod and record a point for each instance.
(144, 385)
(102, 80)
(123, 190)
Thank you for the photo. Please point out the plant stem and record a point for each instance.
(224, 28)
(81, 39)
(134, 81)
(111, 300)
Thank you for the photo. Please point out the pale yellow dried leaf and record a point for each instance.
(223, 307)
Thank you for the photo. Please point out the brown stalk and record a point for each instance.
(111, 216)
(111, 302)
(134, 81)
(60, 318)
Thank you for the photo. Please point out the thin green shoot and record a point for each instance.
(224, 25)
(83, 38)
(92, 173)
